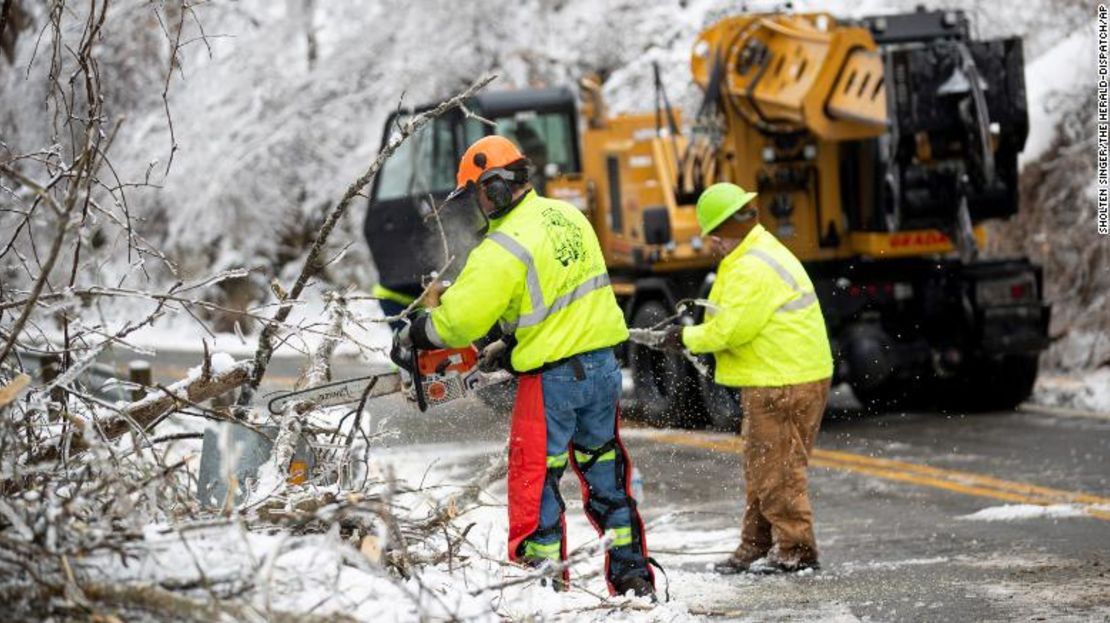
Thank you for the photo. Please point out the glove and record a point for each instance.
(494, 357)
(418, 333)
(433, 292)
(672, 340)
(401, 352)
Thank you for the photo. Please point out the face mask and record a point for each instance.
(495, 183)
(464, 202)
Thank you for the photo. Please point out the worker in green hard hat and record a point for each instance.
(768, 338)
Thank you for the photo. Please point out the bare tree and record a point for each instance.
(84, 478)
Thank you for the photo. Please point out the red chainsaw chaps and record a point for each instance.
(527, 461)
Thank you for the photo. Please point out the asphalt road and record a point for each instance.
(895, 498)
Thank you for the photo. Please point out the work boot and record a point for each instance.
(769, 567)
(739, 562)
(777, 563)
(638, 584)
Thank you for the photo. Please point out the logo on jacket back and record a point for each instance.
(566, 238)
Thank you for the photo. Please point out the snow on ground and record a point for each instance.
(323, 574)
(1015, 512)
(1083, 600)
(888, 565)
(1085, 390)
(293, 574)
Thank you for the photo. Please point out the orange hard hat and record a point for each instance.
(486, 153)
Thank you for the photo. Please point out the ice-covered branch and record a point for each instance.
(142, 414)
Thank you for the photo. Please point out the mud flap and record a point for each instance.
(528, 467)
(624, 481)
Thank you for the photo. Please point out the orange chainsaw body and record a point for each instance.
(443, 374)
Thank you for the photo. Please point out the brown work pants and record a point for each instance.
(780, 426)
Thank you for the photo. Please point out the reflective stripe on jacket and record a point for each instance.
(385, 294)
(766, 329)
(540, 272)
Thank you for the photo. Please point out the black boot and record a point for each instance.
(638, 584)
(772, 566)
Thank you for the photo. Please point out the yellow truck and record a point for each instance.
(877, 147)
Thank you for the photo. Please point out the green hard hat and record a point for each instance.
(719, 202)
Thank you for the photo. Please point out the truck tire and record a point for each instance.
(665, 392)
(897, 395)
(722, 405)
(998, 383)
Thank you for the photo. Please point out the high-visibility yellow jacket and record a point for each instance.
(540, 272)
(766, 327)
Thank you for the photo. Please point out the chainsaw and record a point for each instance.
(437, 377)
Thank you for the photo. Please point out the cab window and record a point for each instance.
(544, 138)
(423, 164)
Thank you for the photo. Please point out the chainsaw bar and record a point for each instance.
(340, 392)
(439, 390)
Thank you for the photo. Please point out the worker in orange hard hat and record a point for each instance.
(540, 273)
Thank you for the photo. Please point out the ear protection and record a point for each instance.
(499, 194)
(495, 184)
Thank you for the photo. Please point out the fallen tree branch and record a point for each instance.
(11, 391)
(148, 411)
(293, 416)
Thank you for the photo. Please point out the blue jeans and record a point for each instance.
(581, 429)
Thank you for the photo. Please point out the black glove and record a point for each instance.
(401, 352)
(672, 340)
(495, 356)
(418, 335)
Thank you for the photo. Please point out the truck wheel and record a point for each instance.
(869, 353)
(995, 384)
(896, 394)
(665, 394)
(722, 405)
